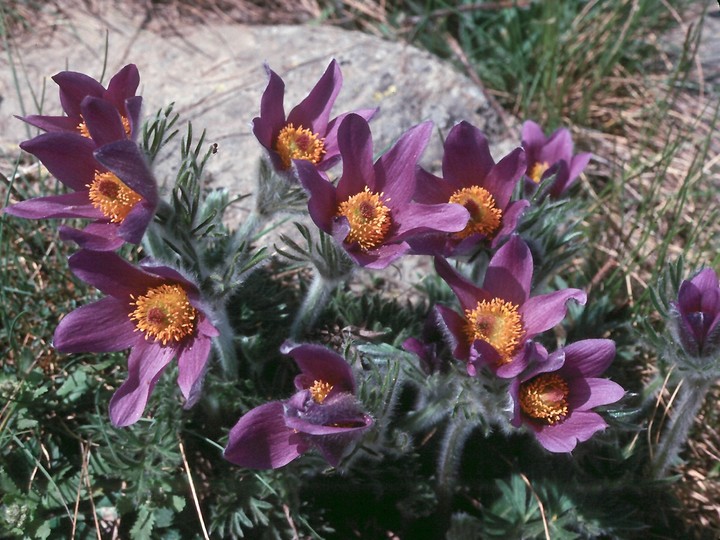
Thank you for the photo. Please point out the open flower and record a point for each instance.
(75, 87)
(696, 314)
(548, 156)
(307, 133)
(322, 414)
(112, 183)
(500, 317)
(154, 311)
(370, 212)
(471, 178)
(554, 397)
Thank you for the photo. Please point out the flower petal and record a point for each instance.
(466, 160)
(542, 312)
(468, 294)
(355, 143)
(124, 158)
(509, 273)
(145, 364)
(395, 170)
(318, 363)
(588, 357)
(192, 360)
(322, 203)
(261, 440)
(103, 326)
(314, 111)
(564, 436)
(594, 392)
(331, 135)
(503, 177)
(51, 123)
(69, 205)
(67, 156)
(559, 146)
(122, 86)
(452, 326)
(267, 126)
(102, 120)
(74, 87)
(98, 236)
(111, 274)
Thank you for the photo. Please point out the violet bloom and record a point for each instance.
(697, 314)
(75, 87)
(112, 183)
(307, 133)
(548, 156)
(471, 178)
(322, 414)
(500, 317)
(555, 397)
(153, 310)
(370, 212)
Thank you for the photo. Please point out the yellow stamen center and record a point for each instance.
(164, 313)
(498, 323)
(484, 215)
(85, 132)
(369, 218)
(537, 170)
(112, 196)
(544, 398)
(320, 390)
(299, 143)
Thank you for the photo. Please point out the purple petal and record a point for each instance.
(331, 135)
(533, 138)
(322, 203)
(509, 273)
(558, 147)
(192, 359)
(145, 364)
(314, 111)
(68, 205)
(705, 279)
(593, 392)
(136, 222)
(564, 436)
(578, 164)
(468, 294)
(318, 363)
(74, 87)
(589, 357)
(453, 328)
(133, 107)
(355, 143)
(261, 440)
(503, 177)
(67, 156)
(124, 158)
(510, 218)
(542, 312)
(272, 114)
(415, 218)
(482, 354)
(99, 236)
(122, 86)
(466, 159)
(395, 170)
(103, 326)
(430, 189)
(111, 274)
(102, 120)
(379, 257)
(53, 123)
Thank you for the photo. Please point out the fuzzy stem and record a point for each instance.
(224, 344)
(315, 301)
(458, 430)
(690, 398)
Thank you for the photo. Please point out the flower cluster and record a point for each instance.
(155, 310)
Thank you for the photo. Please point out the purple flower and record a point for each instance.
(112, 183)
(307, 133)
(322, 414)
(555, 396)
(499, 318)
(548, 156)
(474, 180)
(154, 311)
(696, 314)
(370, 212)
(75, 87)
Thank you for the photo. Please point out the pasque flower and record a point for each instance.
(501, 316)
(554, 398)
(322, 414)
(153, 310)
(307, 133)
(473, 179)
(75, 87)
(548, 156)
(111, 182)
(696, 314)
(370, 212)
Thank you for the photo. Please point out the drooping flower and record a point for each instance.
(473, 179)
(75, 87)
(112, 183)
(554, 398)
(307, 133)
(153, 310)
(501, 316)
(548, 156)
(370, 212)
(322, 414)
(696, 314)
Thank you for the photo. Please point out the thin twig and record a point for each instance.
(192, 490)
(539, 503)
